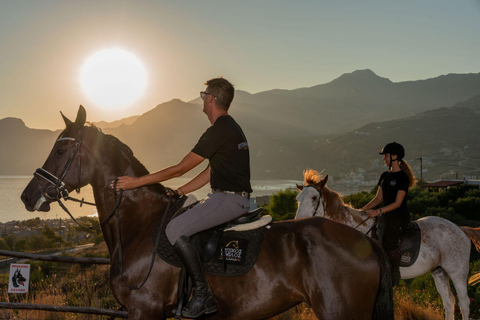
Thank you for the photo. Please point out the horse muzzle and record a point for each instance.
(34, 200)
(42, 205)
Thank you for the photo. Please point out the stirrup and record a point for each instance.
(205, 309)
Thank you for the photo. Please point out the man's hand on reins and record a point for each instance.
(126, 183)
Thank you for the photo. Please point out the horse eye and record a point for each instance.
(314, 198)
(60, 152)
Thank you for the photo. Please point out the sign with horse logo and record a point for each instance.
(19, 278)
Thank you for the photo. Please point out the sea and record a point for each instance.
(12, 208)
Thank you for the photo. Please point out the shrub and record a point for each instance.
(283, 205)
(446, 213)
(468, 207)
(360, 199)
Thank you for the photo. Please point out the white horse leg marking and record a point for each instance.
(460, 284)
(442, 282)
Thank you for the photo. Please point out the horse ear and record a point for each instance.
(299, 187)
(323, 182)
(81, 117)
(67, 121)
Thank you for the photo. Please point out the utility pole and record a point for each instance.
(421, 171)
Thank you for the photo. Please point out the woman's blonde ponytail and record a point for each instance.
(406, 167)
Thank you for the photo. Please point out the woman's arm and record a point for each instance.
(398, 202)
(375, 201)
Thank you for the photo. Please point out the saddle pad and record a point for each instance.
(239, 248)
(409, 245)
(263, 221)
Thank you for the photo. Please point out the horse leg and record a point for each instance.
(460, 284)
(442, 282)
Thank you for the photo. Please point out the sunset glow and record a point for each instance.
(113, 78)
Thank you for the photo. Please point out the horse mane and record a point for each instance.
(312, 177)
(125, 150)
(336, 209)
(122, 156)
(113, 146)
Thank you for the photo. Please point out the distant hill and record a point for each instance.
(446, 138)
(288, 129)
(23, 149)
(351, 101)
(114, 124)
(163, 135)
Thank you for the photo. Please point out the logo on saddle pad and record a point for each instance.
(234, 251)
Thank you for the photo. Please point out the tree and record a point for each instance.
(283, 205)
(51, 235)
(36, 243)
(358, 200)
(3, 244)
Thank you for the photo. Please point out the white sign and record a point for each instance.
(19, 278)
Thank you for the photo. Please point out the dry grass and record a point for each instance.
(409, 310)
(66, 285)
(405, 309)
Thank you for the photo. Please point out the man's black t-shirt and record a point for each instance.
(391, 183)
(226, 147)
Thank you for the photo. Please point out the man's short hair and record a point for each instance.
(223, 90)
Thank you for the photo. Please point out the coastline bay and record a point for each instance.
(12, 208)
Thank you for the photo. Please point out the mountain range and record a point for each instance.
(339, 126)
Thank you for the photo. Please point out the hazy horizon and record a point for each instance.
(258, 46)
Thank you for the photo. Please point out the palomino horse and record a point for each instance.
(338, 271)
(444, 249)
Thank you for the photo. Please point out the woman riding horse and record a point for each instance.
(394, 215)
(444, 247)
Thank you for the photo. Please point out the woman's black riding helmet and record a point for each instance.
(394, 148)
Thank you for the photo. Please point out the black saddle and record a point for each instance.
(409, 245)
(222, 252)
(208, 241)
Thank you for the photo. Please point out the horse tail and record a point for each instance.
(474, 235)
(384, 301)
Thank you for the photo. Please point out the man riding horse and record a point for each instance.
(228, 171)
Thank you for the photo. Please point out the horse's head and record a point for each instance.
(310, 200)
(67, 167)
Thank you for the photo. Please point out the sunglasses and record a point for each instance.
(203, 94)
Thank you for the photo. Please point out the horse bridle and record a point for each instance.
(57, 184)
(319, 199)
(325, 208)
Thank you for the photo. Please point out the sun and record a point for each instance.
(113, 78)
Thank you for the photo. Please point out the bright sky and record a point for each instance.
(256, 44)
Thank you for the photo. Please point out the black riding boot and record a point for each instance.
(394, 257)
(203, 301)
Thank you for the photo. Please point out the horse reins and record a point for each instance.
(364, 222)
(155, 246)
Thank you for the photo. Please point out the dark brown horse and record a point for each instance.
(338, 271)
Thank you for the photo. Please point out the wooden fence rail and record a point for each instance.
(46, 307)
(42, 257)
